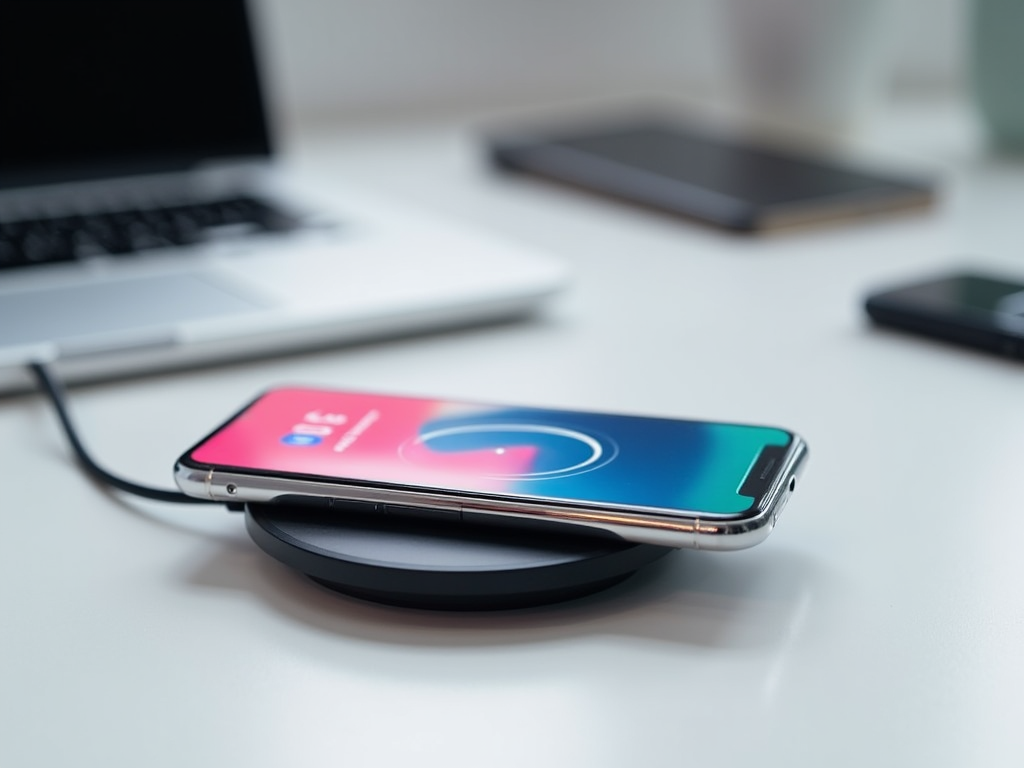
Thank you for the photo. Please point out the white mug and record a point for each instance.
(815, 65)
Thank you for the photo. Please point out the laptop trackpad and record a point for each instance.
(110, 315)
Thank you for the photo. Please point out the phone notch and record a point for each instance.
(763, 472)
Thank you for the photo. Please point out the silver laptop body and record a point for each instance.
(143, 223)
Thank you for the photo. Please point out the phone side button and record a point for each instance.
(348, 506)
(423, 513)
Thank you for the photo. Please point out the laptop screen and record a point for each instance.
(93, 88)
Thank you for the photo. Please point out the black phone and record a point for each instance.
(725, 181)
(967, 308)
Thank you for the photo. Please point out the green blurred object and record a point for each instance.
(998, 70)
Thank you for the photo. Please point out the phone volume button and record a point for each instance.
(354, 507)
(422, 513)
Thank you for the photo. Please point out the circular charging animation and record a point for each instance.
(439, 565)
(512, 451)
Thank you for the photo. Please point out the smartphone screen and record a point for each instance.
(488, 450)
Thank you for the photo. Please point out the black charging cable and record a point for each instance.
(54, 390)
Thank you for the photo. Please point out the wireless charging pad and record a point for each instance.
(442, 566)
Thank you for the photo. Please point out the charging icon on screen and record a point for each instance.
(294, 438)
(514, 451)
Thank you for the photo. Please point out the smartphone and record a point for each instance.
(661, 481)
(967, 308)
(729, 182)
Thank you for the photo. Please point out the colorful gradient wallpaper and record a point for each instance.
(523, 452)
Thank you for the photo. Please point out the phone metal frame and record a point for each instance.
(645, 525)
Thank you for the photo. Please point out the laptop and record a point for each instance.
(144, 223)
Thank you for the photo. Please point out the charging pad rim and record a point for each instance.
(561, 568)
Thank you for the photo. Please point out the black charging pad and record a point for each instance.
(439, 565)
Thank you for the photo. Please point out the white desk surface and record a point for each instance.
(881, 624)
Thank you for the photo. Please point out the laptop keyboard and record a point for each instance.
(42, 240)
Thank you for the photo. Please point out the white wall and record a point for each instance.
(351, 56)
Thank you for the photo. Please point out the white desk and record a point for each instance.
(881, 624)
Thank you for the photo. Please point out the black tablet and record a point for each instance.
(717, 179)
